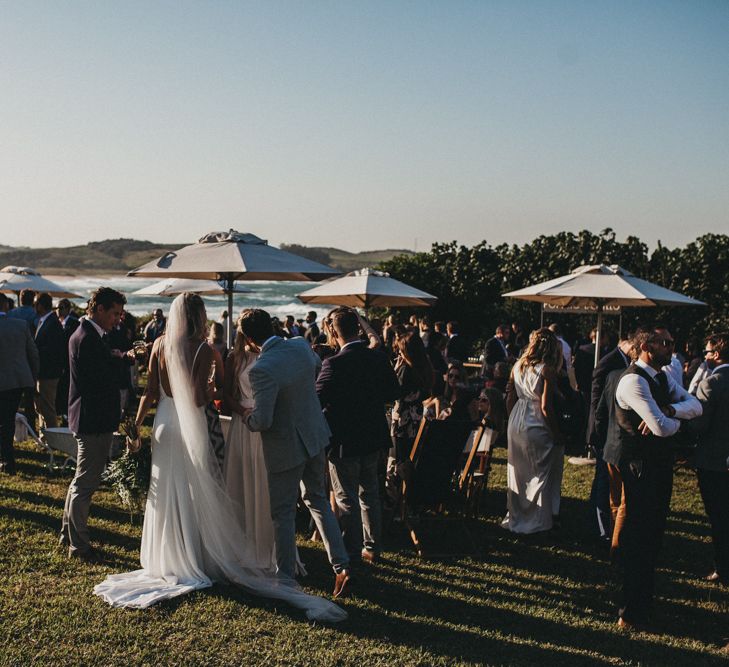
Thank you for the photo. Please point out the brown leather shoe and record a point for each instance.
(625, 625)
(369, 556)
(91, 557)
(341, 584)
(713, 577)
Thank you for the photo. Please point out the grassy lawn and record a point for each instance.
(542, 600)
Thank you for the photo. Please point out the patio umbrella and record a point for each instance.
(230, 256)
(601, 286)
(366, 288)
(175, 286)
(18, 278)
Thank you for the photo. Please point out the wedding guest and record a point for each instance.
(502, 369)
(518, 340)
(389, 331)
(457, 347)
(556, 329)
(155, 327)
(649, 408)
(492, 408)
(535, 451)
(216, 338)
(353, 387)
(435, 349)
(415, 377)
(712, 453)
(312, 330)
(295, 435)
(118, 339)
(26, 310)
(456, 378)
(70, 323)
(20, 363)
(426, 329)
(93, 415)
(495, 350)
(51, 344)
(291, 330)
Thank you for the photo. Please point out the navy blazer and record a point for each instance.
(51, 343)
(353, 387)
(612, 361)
(93, 395)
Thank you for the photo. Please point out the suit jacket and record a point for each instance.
(287, 411)
(353, 387)
(493, 353)
(18, 354)
(612, 361)
(93, 394)
(712, 452)
(457, 348)
(51, 344)
(607, 429)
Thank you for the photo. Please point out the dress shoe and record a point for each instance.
(369, 556)
(341, 584)
(713, 577)
(626, 625)
(91, 557)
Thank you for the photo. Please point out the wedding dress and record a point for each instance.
(192, 534)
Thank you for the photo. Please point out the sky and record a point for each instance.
(362, 125)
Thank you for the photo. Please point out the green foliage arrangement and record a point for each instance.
(129, 477)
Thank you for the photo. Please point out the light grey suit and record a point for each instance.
(18, 354)
(295, 434)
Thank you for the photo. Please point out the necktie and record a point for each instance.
(662, 381)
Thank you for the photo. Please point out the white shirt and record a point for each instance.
(703, 371)
(633, 393)
(566, 352)
(674, 370)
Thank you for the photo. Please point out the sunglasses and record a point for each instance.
(705, 352)
(665, 342)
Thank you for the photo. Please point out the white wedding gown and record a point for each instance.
(192, 534)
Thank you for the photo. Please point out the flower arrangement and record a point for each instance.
(129, 474)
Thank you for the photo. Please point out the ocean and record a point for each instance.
(278, 298)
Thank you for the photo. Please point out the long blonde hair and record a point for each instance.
(543, 347)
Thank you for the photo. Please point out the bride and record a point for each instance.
(193, 533)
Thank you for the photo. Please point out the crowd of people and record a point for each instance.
(344, 402)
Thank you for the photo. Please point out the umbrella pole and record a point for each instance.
(599, 332)
(229, 333)
(541, 317)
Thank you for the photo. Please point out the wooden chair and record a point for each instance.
(474, 477)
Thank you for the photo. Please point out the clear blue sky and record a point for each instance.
(363, 125)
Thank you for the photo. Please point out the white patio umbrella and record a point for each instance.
(230, 256)
(18, 278)
(175, 286)
(367, 288)
(601, 286)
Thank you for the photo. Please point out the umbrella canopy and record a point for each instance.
(367, 288)
(18, 278)
(230, 256)
(592, 286)
(234, 256)
(175, 286)
(600, 286)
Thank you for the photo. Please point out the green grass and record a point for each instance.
(541, 600)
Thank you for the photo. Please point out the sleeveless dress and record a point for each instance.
(535, 463)
(181, 550)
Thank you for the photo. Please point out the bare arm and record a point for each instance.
(151, 393)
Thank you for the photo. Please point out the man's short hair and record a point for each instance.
(106, 297)
(720, 343)
(44, 299)
(345, 322)
(27, 297)
(555, 329)
(64, 304)
(453, 326)
(256, 324)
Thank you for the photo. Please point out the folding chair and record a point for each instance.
(474, 478)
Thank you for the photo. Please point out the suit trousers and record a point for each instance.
(93, 451)
(45, 401)
(617, 507)
(9, 403)
(356, 489)
(283, 490)
(600, 497)
(714, 487)
(647, 489)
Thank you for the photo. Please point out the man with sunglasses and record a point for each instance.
(649, 408)
(712, 453)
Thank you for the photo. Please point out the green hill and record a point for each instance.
(122, 255)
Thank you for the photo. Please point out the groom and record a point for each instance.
(295, 434)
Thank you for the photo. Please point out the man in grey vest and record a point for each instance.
(295, 435)
(649, 407)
